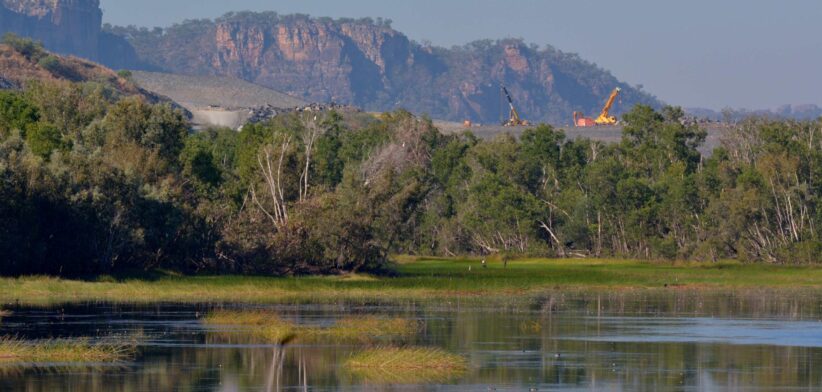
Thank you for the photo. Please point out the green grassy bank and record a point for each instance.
(420, 279)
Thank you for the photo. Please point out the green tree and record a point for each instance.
(16, 113)
(29, 48)
(160, 128)
(43, 139)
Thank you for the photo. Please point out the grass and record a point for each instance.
(264, 326)
(406, 365)
(268, 327)
(370, 329)
(420, 279)
(15, 351)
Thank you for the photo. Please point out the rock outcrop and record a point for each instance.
(67, 27)
(64, 26)
(371, 65)
(361, 62)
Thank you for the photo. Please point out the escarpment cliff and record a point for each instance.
(369, 64)
(67, 27)
(362, 62)
(64, 26)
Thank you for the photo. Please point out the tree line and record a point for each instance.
(95, 183)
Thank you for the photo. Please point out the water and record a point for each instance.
(678, 341)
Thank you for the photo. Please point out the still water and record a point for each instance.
(652, 341)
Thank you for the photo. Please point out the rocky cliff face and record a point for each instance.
(369, 64)
(360, 62)
(317, 60)
(67, 27)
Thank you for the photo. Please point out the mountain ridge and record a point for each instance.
(364, 62)
(369, 64)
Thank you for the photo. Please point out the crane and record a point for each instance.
(513, 118)
(604, 118)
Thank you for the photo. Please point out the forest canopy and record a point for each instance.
(94, 183)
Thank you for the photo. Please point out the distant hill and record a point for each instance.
(23, 60)
(362, 62)
(794, 112)
(203, 91)
(369, 64)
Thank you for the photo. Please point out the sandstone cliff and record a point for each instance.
(360, 62)
(67, 27)
(369, 64)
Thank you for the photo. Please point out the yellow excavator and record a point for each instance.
(514, 119)
(604, 118)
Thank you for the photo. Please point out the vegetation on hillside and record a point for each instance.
(96, 183)
(23, 60)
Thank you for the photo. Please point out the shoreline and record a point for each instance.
(423, 279)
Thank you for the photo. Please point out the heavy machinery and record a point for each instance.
(513, 118)
(604, 118)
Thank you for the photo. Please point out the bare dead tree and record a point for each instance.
(312, 131)
(270, 161)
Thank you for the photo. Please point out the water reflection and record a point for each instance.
(618, 341)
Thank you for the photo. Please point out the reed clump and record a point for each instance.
(370, 329)
(255, 325)
(268, 327)
(406, 365)
(15, 350)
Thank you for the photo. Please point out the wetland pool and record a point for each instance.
(655, 341)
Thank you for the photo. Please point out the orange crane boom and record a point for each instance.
(604, 118)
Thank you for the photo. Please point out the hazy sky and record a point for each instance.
(705, 53)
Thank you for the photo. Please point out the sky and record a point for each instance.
(754, 54)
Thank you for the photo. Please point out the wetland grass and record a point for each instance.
(268, 327)
(369, 329)
(16, 351)
(422, 279)
(406, 365)
(255, 325)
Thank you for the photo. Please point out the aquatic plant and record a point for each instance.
(406, 365)
(268, 327)
(260, 325)
(369, 329)
(423, 279)
(15, 350)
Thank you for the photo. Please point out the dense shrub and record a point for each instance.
(92, 183)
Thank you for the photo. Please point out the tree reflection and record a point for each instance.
(559, 341)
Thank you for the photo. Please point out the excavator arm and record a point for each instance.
(605, 118)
